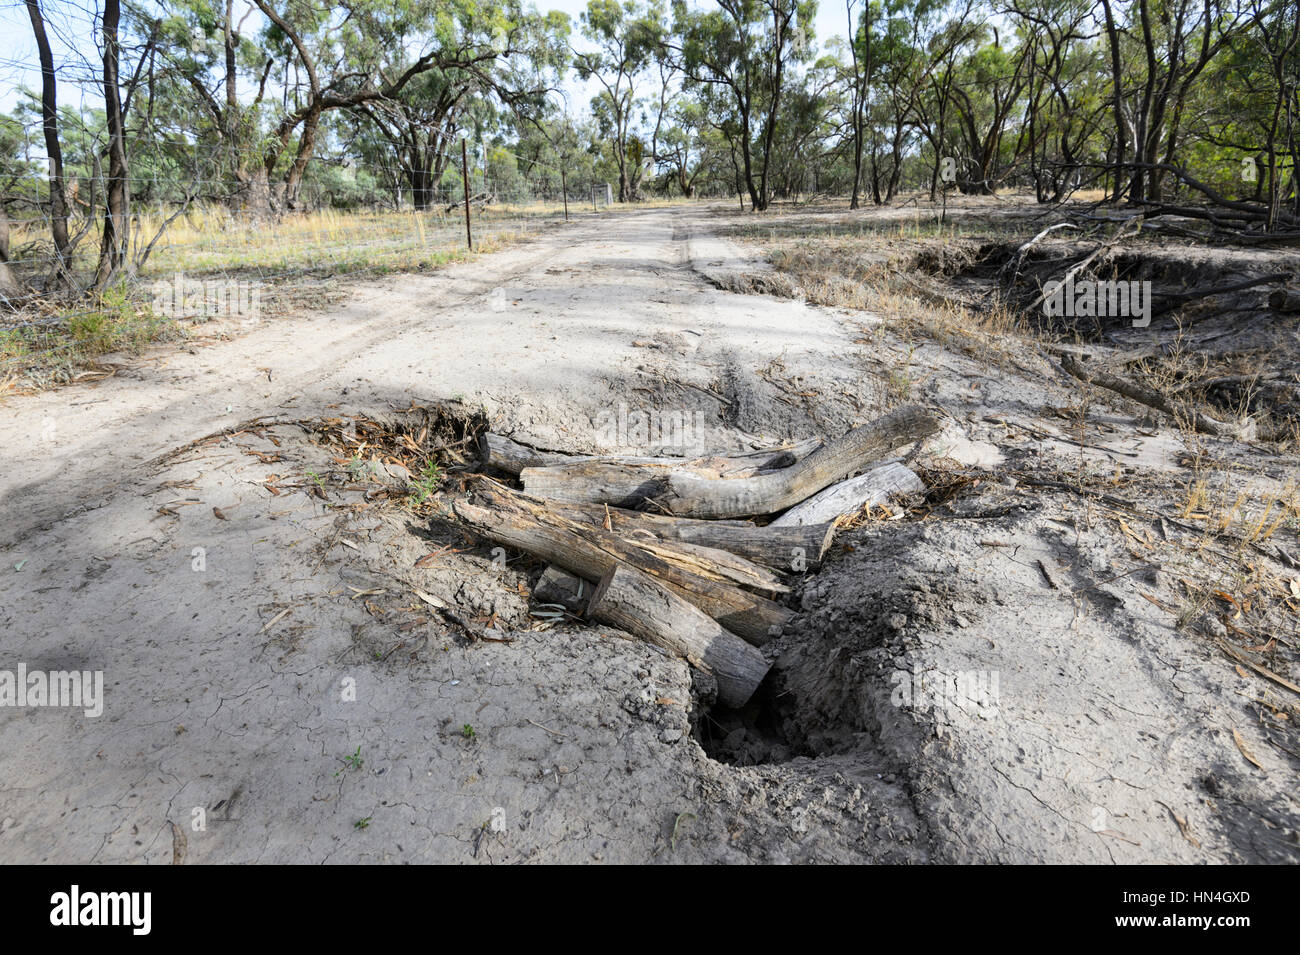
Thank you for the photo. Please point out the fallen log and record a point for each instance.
(595, 482)
(689, 495)
(511, 456)
(632, 601)
(483, 200)
(628, 482)
(1175, 300)
(794, 547)
(506, 454)
(1284, 300)
(710, 562)
(849, 497)
(558, 586)
(1244, 431)
(590, 552)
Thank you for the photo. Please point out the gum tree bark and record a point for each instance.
(53, 149)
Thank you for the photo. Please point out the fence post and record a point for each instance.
(464, 178)
(564, 188)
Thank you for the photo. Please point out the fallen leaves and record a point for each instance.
(1245, 750)
(431, 600)
(429, 558)
(1183, 825)
(1261, 670)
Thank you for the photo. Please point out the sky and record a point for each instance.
(68, 24)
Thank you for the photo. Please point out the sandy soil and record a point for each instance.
(251, 641)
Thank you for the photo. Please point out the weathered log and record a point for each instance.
(782, 548)
(1284, 300)
(711, 562)
(558, 586)
(632, 601)
(595, 482)
(1242, 431)
(590, 552)
(627, 481)
(689, 495)
(510, 456)
(848, 497)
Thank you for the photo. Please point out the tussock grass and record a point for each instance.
(40, 355)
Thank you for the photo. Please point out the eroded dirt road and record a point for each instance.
(251, 641)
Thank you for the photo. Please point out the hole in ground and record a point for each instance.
(751, 735)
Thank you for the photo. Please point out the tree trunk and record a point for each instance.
(509, 455)
(1117, 94)
(689, 495)
(8, 284)
(637, 603)
(848, 497)
(591, 553)
(53, 149)
(781, 547)
(116, 237)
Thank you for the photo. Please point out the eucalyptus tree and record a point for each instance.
(1177, 40)
(53, 143)
(212, 49)
(627, 37)
(1065, 97)
(744, 50)
(991, 80)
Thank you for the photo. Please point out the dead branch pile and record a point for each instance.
(672, 550)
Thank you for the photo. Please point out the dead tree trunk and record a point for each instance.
(632, 601)
(1244, 431)
(849, 497)
(689, 495)
(591, 553)
(506, 454)
(780, 547)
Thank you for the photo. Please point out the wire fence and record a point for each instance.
(197, 260)
(233, 238)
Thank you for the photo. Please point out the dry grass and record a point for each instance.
(41, 355)
(56, 337)
(211, 239)
(873, 275)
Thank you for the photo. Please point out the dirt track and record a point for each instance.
(1110, 726)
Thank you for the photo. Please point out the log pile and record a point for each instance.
(690, 555)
